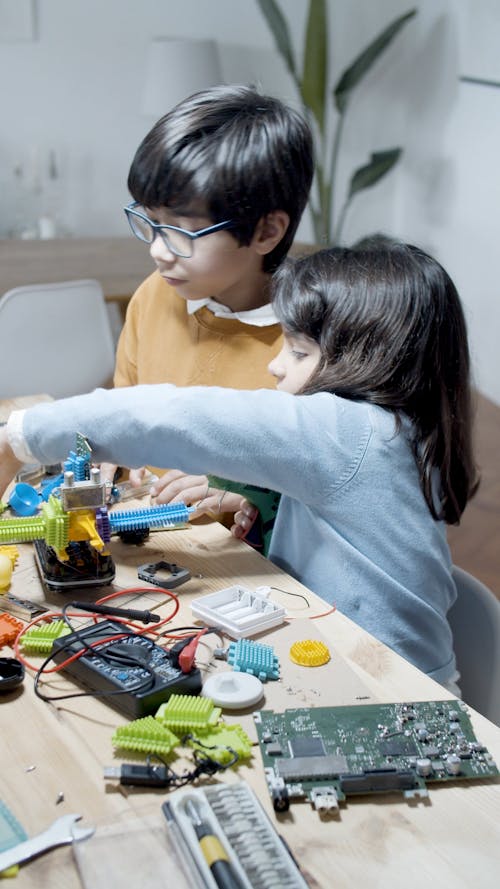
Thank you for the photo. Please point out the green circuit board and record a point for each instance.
(325, 754)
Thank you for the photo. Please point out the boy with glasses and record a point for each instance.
(219, 187)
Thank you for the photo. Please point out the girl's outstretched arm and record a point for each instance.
(303, 446)
(9, 464)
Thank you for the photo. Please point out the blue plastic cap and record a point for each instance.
(24, 500)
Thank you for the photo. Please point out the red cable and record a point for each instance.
(58, 616)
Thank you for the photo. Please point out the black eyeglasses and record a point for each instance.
(178, 240)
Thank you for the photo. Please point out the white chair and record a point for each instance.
(55, 338)
(475, 623)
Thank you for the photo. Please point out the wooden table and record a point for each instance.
(49, 750)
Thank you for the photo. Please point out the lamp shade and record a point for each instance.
(176, 68)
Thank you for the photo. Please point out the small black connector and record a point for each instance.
(139, 776)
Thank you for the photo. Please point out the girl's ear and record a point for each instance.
(269, 231)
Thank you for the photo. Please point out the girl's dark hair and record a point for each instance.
(233, 152)
(391, 330)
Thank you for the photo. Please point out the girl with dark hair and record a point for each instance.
(368, 438)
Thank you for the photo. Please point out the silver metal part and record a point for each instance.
(424, 767)
(324, 800)
(82, 495)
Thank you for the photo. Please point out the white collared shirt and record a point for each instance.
(261, 317)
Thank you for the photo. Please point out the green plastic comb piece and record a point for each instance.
(56, 523)
(221, 737)
(185, 713)
(146, 735)
(39, 640)
(22, 530)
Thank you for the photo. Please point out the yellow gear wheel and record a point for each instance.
(309, 653)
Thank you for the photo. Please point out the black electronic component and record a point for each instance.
(137, 674)
(135, 536)
(139, 775)
(280, 798)
(11, 673)
(307, 747)
(165, 574)
(85, 567)
(328, 753)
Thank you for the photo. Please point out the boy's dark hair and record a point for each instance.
(232, 151)
(391, 330)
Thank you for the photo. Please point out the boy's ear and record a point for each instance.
(269, 231)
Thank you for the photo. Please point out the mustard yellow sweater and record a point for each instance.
(161, 343)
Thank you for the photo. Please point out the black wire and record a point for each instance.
(196, 630)
(204, 765)
(119, 658)
(200, 753)
(288, 593)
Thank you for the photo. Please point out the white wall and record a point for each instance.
(76, 91)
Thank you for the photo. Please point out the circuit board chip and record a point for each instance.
(307, 747)
(398, 747)
(305, 768)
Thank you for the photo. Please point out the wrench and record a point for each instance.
(63, 830)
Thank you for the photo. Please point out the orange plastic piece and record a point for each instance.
(9, 628)
(309, 653)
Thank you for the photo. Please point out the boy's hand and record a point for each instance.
(9, 464)
(244, 518)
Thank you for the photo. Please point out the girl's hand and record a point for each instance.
(244, 518)
(108, 473)
(9, 464)
(194, 490)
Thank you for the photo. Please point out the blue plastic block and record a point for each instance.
(79, 465)
(246, 656)
(169, 514)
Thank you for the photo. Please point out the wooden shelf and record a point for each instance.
(119, 264)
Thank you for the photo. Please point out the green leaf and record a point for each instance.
(279, 28)
(357, 70)
(379, 164)
(313, 86)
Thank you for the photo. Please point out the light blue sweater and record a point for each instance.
(352, 524)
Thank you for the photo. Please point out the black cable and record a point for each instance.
(145, 617)
(288, 593)
(120, 658)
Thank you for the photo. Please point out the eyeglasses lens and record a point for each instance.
(178, 243)
(175, 241)
(141, 228)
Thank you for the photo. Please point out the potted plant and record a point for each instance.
(312, 85)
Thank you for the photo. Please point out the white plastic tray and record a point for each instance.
(238, 611)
